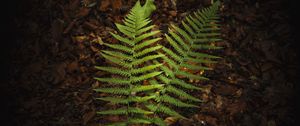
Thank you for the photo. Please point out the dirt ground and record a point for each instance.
(52, 57)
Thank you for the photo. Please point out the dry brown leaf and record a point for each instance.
(170, 120)
(72, 66)
(117, 4)
(173, 13)
(83, 12)
(104, 5)
(88, 116)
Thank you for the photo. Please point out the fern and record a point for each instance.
(184, 58)
(134, 66)
(137, 59)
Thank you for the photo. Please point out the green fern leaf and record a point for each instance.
(120, 47)
(147, 50)
(146, 43)
(118, 55)
(181, 93)
(164, 109)
(174, 101)
(145, 69)
(146, 58)
(116, 61)
(113, 80)
(145, 76)
(122, 39)
(114, 70)
(146, 88)
(113, 90)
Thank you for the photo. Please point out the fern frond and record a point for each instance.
(184, 45)
(146, 43)
(138, 111)
(125, 30)
(122, 39)
(172, 54)
(118, 124)
(146, 58)
(175, 45)
(126, 111)
(113, 80)
(184, 84)
(116, 61)
(188, 29)
(145, 69)
(151, 74)
(164, 79)
(146, 88)
(146, 35)
(164, 109)
(168, 99)
(167, 71)
(170, 62)
(122, 100)
(118, 55)
(114, 70)
(158, 121)
(140, 31)
(202, 55)
(181, 93)
(121, 91)
(120, 47)
(144, 77)
(115, 100)
(147, 50)
(119, 111)
(139, 121)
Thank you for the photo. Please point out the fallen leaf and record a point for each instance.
(117, 4)
(72, 66)
(80, 39)
(173, 13)
(170, 120)
(83, 12)
(104, 5)
(88, 116)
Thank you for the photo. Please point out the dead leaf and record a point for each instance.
(88, 116)
(90, 26)
(83, 12)
(98, 40)
(113, 118)
(80, 39)
(237, 107)
(203, 119)
(225, 90)
(72, 66)
(117, 4)
(173, 13)
(104, 5)
(170, 120)
(219, 102)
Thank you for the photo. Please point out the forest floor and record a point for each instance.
(53, 62)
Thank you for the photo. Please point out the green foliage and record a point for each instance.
(149, 80)
(183, 57)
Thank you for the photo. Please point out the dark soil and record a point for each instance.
(54, 47)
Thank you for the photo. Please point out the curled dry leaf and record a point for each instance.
(170, 120)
